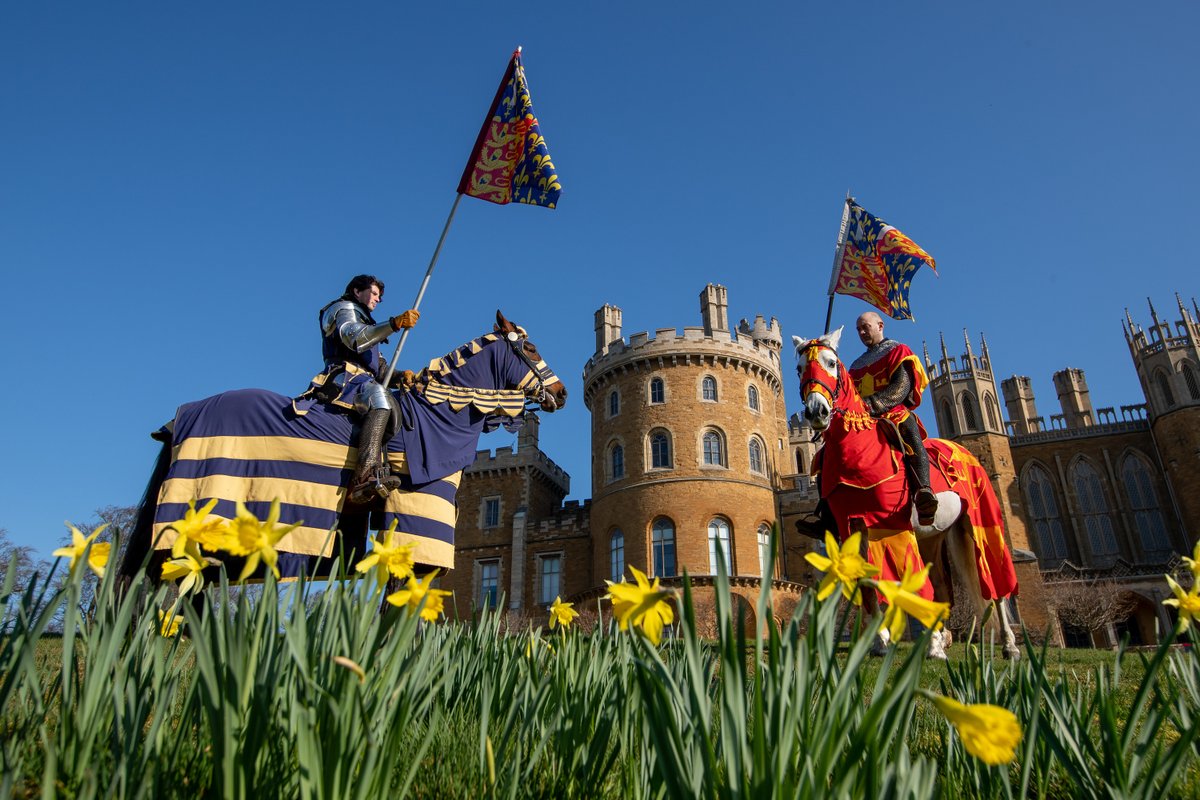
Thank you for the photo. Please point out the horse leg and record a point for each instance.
(933, 553)
(1011, 651)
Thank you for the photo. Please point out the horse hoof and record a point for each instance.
(879, 647)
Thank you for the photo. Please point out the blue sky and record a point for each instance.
(183, 185)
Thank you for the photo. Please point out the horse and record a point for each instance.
(251, 446)
(863, 480)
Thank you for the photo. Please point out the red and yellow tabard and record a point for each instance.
(873, 377)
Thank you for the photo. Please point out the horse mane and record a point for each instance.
(440, 367)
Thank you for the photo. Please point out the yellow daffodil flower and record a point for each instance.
(189, 566)
(168, 624)
(990, 733)
(843, 566)
(394, 559)
(1187, 602)
(1193, 563)
(246, 536)
(196, 526)
(562, 614)
(903, 599)
(417, 589)
(642, 604)
(98, 557)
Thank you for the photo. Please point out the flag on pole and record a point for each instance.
(876, 263)
(510, 162)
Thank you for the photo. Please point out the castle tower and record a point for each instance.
(688, 443)
(1167, 360)
(608, 326)
(968, 414)
(1073, 398)
(1021, 407)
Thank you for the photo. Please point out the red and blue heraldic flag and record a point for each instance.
(878, 263)
(510, 163)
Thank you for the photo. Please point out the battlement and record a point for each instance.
(1162, 336)
(573, 519)
(504, 458)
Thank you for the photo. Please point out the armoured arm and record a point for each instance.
(892, 395)
(354, 331)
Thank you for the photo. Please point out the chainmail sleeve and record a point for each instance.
(895, 393)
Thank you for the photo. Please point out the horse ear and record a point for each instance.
(502, 323)
(797, 344)
(833, 338)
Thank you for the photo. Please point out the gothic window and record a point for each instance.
(616, 556)
(752, 398)
(1093, 505)
(1147, 516)
(764, 548)
(1164, 388)
(660, 450)
(708, 388)
(614, 403)
(1189, 377)
(549, 575)
(662, 547)
(993, 415)
(657, 393)
(970, 412)
(756, 456)
(714, 449)
(718, 545)
(1043, 508)
(488, 594)
(617, 461)
(948, 418)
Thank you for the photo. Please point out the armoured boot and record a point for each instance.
(372, 478)
(917, 461)
(816, 524)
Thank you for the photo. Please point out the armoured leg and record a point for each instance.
(371, 476)
(918, 467)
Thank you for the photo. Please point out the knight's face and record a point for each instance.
(369, 296)
(870, 330)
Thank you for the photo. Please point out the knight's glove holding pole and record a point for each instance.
(406, 320)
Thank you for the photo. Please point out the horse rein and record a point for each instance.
(537, 394)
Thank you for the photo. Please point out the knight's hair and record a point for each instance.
(360, 282)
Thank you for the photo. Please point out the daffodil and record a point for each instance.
(246, 536)
(903, 599)
(562, 614)
(990, 733)
(97, 558)
(168, 623)
(1188, 603)
(418, 589)
(189, 566)
(843, 566)
(196, 526)
(642, 604)
(394, 559)
(1193, 563)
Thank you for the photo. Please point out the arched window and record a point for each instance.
(764, 548)
(718, 545)
(756, 455)
(1094, 507)
(799, 462)
(662, 547)
(1164, 388)
(708, 388)
(614, 403)
(970, 412)
(714, 450)
(617, 461)
(1147, 516)
(1189, 377)
(657, 392)
(752, 398)
(948, 418)
(993, 415)
(1039, 494)
(616, 555)
(660, 450)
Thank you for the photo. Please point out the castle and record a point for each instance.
(694, 458)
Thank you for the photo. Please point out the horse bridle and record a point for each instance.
(831, 391)
(538, 394)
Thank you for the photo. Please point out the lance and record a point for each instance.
(837, 257)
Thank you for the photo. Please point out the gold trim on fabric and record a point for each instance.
(510, 402)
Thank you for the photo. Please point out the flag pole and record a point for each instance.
(421, 292)
(837, 257)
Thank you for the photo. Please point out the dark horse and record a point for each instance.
(863, 481)
(249, 446)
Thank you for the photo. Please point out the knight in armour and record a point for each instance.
(352, 379)
(890, 378)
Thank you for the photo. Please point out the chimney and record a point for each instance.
(713, 309)
(608, 327)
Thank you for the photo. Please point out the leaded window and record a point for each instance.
(662, 547)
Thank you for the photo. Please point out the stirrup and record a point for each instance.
(812, 526)
(377, 483)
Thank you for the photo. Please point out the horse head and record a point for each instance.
(825, 385)
(542, 386)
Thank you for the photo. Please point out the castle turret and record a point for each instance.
(608, 327)
(1073, 398)
(1019, 402)
(714, 309)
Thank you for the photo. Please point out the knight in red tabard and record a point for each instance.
(890, 378)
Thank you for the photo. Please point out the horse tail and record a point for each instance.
(140, 546)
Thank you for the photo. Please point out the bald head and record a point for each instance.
(870, 328)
